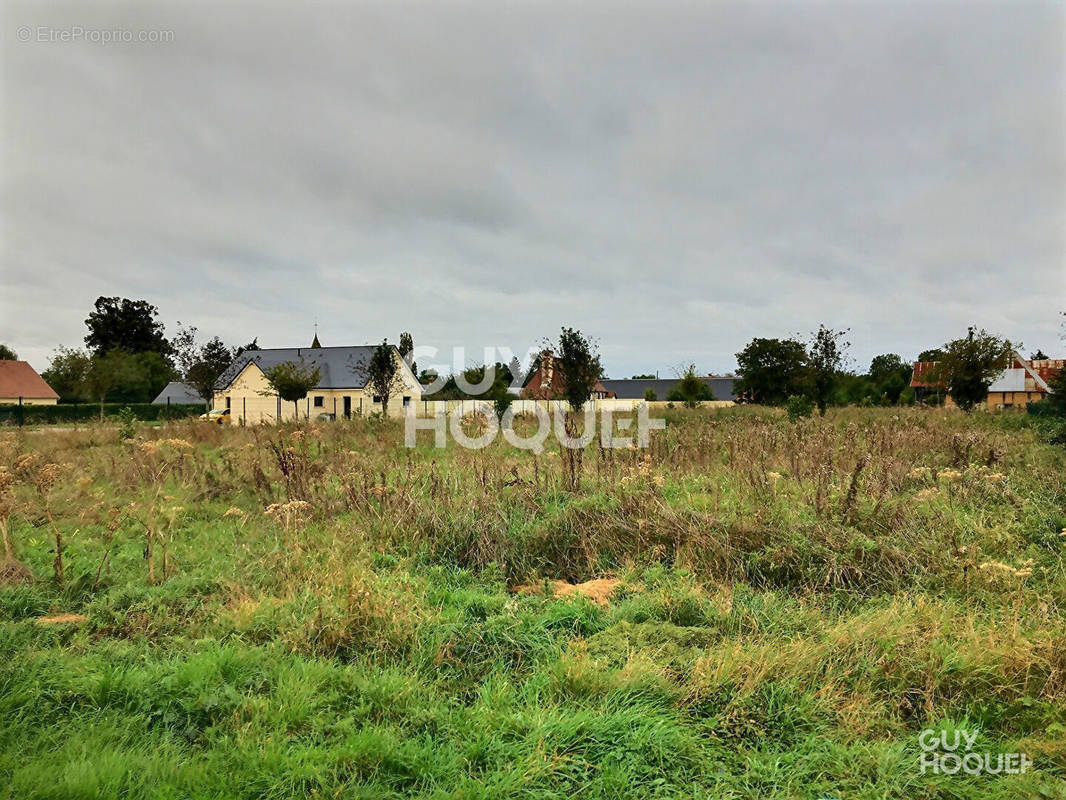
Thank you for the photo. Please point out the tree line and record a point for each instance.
(816, 372)
(128, 358)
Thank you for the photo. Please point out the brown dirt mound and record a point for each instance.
(13, 572)
(59, 619)
(598, 590)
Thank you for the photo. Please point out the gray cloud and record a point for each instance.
(674, 179)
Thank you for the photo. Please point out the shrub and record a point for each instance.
(127, 423)
(799, 405)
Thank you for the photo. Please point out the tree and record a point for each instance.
(383, 377)
(7, 354)
(579, 363)
(144, 376)
(827, 355)
(1057, 384)
(292, 380)
(690, 390)
(771, 370)
(213, 359)
(123, 324)
(252, 345)
(885, 365)
(644, 377)
(969, 365)
(935, 354)
(1039, 355)
(201, 365)
(1057, 398)
(406, 348)
(649, 395)
(66, 373)
(104, 372)
(183, 347)
(124, 377)
(889, 375)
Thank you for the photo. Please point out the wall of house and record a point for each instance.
(1012, 399)
(250, 398)
(29, 401)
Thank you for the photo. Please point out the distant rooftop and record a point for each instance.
(19, 379)
(635, 388)
(340, 367)
(177, 392)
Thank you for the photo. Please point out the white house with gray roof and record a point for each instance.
(341, 391)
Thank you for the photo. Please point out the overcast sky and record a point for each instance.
(673, 180)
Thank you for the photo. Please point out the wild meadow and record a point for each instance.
(750, 608)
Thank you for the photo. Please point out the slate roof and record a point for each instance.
(634, 388)
(178, 392)
(341, 367)
(19, 379)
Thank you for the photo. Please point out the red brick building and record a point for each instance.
(548, 383)
(1023, 382)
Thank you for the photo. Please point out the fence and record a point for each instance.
(431, 408)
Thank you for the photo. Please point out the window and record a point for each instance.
(377, 398)
(407, 401)
(227, 401)
(318, 401)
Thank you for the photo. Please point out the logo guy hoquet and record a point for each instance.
(951, 753)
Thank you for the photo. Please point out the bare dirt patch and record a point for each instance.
(60, 619)
(598, 590)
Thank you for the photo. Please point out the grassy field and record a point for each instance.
(779, 610)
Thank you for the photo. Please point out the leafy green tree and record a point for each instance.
(890, 375)
(213, 359)
(969, 365)
(883, 366)
(827, 355)
(579, 363)
(144, 377)
(123, 324)
(1039, 355)
(935, 354)
(649, 395)
(645, 377)
(292, 380)
(201, 365)
(7, 354)
(771, 370)
(1057, 398)
(383, 377)
(105, 372)
(690, 390)
(66, 374)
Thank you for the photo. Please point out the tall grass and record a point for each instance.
(316, 610)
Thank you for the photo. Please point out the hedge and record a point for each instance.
(1044, 408)
(90, 412)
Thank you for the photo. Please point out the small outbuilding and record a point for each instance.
(178, 393)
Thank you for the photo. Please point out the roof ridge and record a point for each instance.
(1031, 372)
